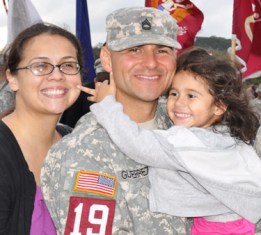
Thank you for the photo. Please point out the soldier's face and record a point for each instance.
(142, 72)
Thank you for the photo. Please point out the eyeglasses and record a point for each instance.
(44, 68)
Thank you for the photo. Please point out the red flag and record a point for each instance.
(187, 15)
(247, 29)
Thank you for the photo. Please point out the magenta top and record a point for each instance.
(42, 223)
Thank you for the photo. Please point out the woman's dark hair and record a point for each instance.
(224, 79)
(15, 51)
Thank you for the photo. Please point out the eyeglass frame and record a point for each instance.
(53, 65)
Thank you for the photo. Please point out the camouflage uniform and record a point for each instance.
(256, 103)
(89, 148)
(6, 97)
(258, 228)
(258, 142)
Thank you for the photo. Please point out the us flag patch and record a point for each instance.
(95, 182)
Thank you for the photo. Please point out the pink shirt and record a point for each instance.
(236, 227)
(42, 223)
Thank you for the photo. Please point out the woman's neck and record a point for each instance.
(40, 125)
(35, 136)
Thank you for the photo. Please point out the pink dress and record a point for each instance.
(42, 223)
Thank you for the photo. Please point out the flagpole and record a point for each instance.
(6, 10)
(233, 47)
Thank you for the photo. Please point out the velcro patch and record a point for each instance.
(95, 182)
(90, 216)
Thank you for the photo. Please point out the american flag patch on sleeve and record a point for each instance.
(95, 182)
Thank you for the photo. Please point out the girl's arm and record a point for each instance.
(142, 145)
(138, 143)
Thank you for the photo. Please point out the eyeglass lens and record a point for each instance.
(43, 68)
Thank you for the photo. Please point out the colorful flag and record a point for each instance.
(21, 14)
(247, 31)
(83, 34)
(95, 183)
(187, 15)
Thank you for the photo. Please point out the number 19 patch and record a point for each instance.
(90, 216)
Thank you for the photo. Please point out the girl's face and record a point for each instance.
(189, 102)
(52, 93)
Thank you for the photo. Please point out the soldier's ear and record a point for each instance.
(105, 57)
(12, 80)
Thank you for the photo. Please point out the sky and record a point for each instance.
(217, 16)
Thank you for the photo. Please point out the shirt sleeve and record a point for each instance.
(149, 147)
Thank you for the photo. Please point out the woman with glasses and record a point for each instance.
(43, 68)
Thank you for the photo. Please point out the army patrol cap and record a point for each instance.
(258, 89)
(98, 66)
(136, 26)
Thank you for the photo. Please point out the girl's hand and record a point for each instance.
(101, 90)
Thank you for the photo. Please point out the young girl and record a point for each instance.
(205, 162)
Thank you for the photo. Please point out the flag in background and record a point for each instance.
(21, 14)
(83, 34)
(189, 18)
(247, 30)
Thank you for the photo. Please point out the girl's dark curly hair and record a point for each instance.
(225, 85)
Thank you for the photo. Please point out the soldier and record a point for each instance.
(90, 187)
(256, 102)
(6, 95)
(258, 142)
(101, 73)
(6, 99)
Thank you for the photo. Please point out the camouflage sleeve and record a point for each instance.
(258, 142)
(258, 228)
(7, 98)
(58, 173)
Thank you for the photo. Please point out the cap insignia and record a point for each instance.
(146, 25)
